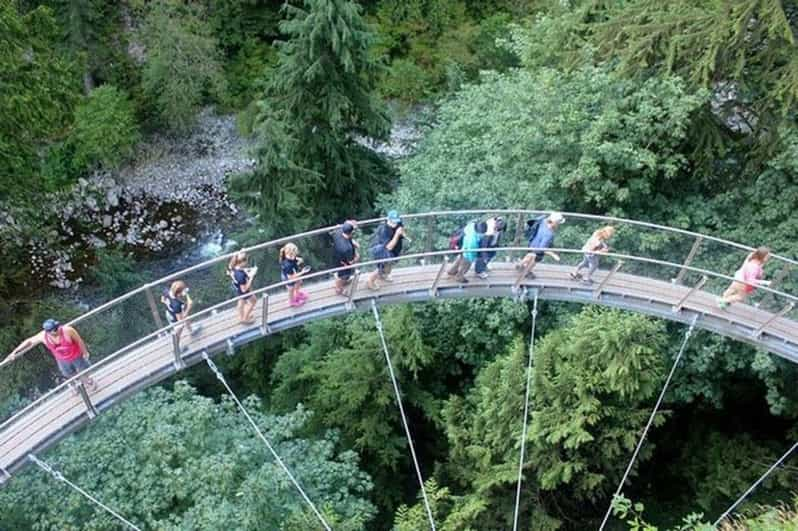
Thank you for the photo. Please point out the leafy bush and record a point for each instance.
(172, 459)
(38, 88)
(105, 130)
(407, 81)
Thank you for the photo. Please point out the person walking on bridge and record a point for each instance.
(541, 238)
(178, 305)
(66, 346)
(347, 252)
(747, 278)
(387, 244)
(492, 239)
(242, 277)
(595, 246)
(472, 236)
(292, 267)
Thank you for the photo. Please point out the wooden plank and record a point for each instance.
(136, 366)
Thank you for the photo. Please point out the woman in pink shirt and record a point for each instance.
(66, 346)
(747, 278)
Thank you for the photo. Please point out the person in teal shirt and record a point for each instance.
(472, 236)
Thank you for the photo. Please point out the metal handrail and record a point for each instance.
(421, 215)
(318, 274)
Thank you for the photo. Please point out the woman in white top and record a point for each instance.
(596, 245)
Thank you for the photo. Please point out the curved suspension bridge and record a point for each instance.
(660, 271)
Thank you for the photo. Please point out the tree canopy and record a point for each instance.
(171, 459)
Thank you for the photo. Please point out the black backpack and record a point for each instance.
(456, 239)
(532, 227)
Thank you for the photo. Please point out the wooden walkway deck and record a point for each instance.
(57, 414)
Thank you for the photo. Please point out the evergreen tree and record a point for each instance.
(38, 89)
(317, 106)
(183, 62)
(745, 51)
(594, 383)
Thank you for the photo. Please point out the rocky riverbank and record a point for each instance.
(171, 197)
(168, 208)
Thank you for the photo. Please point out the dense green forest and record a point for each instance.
(679, 112)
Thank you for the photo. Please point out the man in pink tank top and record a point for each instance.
(66, 346)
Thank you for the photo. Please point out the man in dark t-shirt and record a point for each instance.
(345, 250)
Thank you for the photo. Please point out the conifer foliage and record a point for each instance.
(749, 42)
(317, 105)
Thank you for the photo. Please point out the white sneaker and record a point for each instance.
(483, 275)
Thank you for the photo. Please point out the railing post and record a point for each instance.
(90, 409)
(679, 305)
(688, 260)
(178, 361)
(4, 475)
(153, 307)
(264, 318)
(758, 332)
(600, 288)
(230, 348)
(352, 289)
(519, 230)
(433, 291)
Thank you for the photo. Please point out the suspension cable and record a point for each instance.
(687, 335)
(221, 378)
(526, 411)
(60, 477)
(755, 485)
(402, 412)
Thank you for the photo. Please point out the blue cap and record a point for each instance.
(347, 228)
(50, 325)
(393, 217)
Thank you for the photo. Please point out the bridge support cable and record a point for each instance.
(280, 462)
(58, 476)
(687, 336)
(526, 411)
(402, 412)
(755, 485)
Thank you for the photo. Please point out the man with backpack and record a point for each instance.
(540, 236)
(387, 244)
(491, 240)
(472, 236)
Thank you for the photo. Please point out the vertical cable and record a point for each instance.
(402, 412)
(58, 476)
(526, 411)
(221, 378)
(755, 485)
(687, 335)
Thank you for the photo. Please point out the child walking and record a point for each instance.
(292, 267)
(595, 246)
(747, 278)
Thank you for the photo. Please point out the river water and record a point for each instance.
(171, 207)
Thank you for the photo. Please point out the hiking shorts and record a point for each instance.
(71, 368)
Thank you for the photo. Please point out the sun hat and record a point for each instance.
(557, 218)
